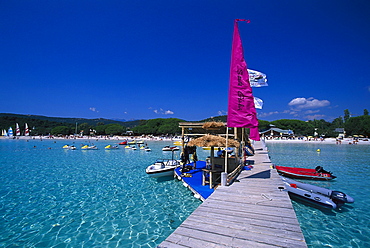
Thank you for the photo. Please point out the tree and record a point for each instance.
(263, 125)
(114, 129)
(100, 130)
(297, 126)
(366, 112)
(85, 127)
(358, 125)
(346, 115)
(158, 126)
(63, 130)
(338, 122)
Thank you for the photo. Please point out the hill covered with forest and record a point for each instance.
(43, 125)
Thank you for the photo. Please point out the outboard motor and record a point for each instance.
(320, 169)
(338, 197)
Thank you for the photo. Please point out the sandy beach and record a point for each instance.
(345, 141)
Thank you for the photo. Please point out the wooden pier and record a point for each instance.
(255, 211)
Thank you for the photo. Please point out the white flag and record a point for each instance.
(258, 103)
(257, 79)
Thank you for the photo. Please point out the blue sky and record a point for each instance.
(170, 59)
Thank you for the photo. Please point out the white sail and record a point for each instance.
(10, 132)
(17, 130)
(27, 131)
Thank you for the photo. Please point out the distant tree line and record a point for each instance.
(359, 125)
(46, 127)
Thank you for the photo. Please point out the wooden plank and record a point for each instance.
(252, 212)
(269, 236)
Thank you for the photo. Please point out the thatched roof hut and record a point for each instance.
(213, 140)
(213, 125)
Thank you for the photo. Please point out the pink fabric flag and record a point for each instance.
(241, 109)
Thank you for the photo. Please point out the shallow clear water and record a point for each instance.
(349, 226)
(62, 198)
(53, 197)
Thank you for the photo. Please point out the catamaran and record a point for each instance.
(10, 132)
(17, 130)
(27, 131)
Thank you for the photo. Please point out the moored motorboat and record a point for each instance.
(303, 173)
(72, 147)
(170, 148)
(111, 147)
(123, 143)
(86, 147)
(147, 149)
(319, 196)
(177, 143)
(162, 167)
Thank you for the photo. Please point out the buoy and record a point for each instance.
(318, 150)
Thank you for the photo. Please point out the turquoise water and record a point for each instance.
(349, 226)
(53, 197)
(103, 198)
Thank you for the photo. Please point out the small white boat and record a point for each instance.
(86, 147)
(162, 167)
(111, 147)
(170, 148)
(130, 147)
(147, 149)
(72, 147)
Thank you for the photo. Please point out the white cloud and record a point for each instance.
(262, 115)
(307, 103)
(311, 112)
(222, 112)
(314, 117)
(93, 109)
(163, 112)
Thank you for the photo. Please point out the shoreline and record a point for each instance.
(345, 141)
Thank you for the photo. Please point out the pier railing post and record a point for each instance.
(223, 178)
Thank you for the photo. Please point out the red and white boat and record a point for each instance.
(170, 148)
(303, 173)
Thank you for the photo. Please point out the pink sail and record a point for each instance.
(241, 109)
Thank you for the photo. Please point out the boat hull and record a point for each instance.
(316, 195)
(303, 173)
(163, 173)
(162, 167)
